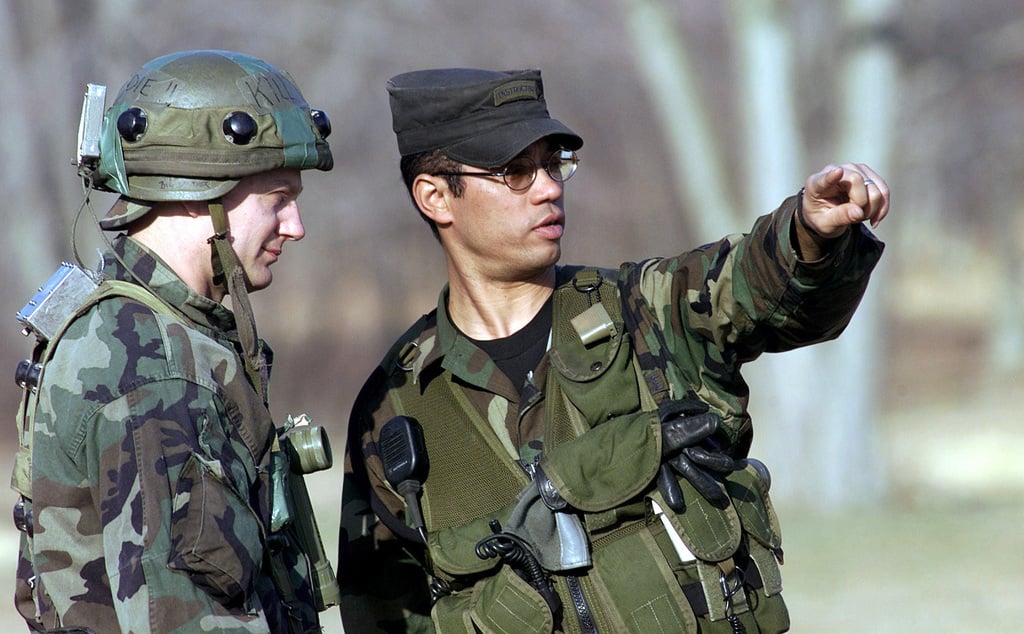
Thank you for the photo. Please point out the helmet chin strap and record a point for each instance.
(226, 269)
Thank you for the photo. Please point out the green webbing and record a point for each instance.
(652, 354)
(226, 261)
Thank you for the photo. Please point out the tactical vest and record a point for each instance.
(652, 570)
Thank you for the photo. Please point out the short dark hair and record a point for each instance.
(433, 162)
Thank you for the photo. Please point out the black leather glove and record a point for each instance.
(688, 449)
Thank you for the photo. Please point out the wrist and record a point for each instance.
(802, 219)
(809, 243)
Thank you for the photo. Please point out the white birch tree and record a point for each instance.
(814, 409)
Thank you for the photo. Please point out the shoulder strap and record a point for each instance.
(119, 288)
(648, 339)
(21, 477)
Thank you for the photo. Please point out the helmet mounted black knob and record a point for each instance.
(190, 125)
(322, 122)
(239, 127)
(131, 125)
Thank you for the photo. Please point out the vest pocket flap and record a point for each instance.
(580, 363)
(505, 603)
(749, 493)
(608, 465)
(453, 550)
(711, 533)
(598, 380)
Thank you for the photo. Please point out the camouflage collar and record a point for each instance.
(436, 340)
(147, 268)
(430, 340)
(460, 356)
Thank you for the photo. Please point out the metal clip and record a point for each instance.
(23, 517)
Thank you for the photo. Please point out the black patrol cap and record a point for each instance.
(479, 117)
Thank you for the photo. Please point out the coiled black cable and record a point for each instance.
(729, 592)
(515, 552)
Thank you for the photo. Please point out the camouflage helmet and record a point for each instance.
(190, 125)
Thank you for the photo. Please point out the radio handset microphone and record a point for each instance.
(404, 455)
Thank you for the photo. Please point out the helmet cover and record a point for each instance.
(190, 125)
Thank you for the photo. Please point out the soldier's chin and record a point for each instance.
(255, 283)
(258, 286)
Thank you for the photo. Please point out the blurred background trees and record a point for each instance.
(833, 439)
(697, 117)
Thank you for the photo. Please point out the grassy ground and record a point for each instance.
(955, 569)
(944, 553)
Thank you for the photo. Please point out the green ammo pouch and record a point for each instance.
(744, 534)
(646, 602)
(506, 603)
(500, 604)
(616, 463)
(749, 494)
(737, 545)
(452, 548)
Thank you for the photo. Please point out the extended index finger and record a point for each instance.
(824, 183)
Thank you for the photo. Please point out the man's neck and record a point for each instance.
(180, 241)
(486, 310)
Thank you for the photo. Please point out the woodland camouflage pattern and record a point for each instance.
(720, 305)
(151, 469)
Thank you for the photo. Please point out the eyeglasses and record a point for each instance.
(520, 172)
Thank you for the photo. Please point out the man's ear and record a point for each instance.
(196, 208)
(432, 195)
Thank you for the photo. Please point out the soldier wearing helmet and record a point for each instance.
(154, 486)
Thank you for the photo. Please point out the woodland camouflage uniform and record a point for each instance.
(163, 523)
(719, 306)
(155, 493)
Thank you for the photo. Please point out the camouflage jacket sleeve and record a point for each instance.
(382, 578)
(728, 302)
(149, 472)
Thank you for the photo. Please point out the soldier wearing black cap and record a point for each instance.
(563, 448)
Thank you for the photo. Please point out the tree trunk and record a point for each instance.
(814, 409)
